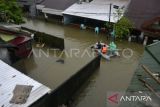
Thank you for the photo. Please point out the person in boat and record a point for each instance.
(104, 49)
(98, 46)
(112, 47)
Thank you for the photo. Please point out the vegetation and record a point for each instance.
(10, 12)
(109, 26)
(122, 27)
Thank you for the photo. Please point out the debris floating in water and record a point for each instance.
(60, 61)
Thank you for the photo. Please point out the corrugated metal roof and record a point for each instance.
(9, 78)
(150, 59)
(97, 9)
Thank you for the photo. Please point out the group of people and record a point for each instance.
(101, 47)
(105, 48)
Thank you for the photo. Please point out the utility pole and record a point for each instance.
(109, 21)
(110, 8)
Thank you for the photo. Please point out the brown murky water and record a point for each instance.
(113, 75)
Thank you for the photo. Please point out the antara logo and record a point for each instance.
(116, 98)
(113, 98)
(135, 98)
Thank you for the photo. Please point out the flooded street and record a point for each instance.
(112, 76)
(52, 69)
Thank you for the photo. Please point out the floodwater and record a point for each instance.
(53, 69)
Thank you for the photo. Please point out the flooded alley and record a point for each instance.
(79, 53)
(51, 68)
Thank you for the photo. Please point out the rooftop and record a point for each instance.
(9, 78)
(97, 9)
(58, 4)
(7, 37)
(55, 7)
(152, 27)
(141, 10)
(151, 59)
(19, 40)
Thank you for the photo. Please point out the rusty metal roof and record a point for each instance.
(141, 10)
(9, 78)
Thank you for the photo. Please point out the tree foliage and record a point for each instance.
(122, 27)
(10, 12)
(109, 26)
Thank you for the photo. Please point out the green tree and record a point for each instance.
(10, 12)
(122, 27)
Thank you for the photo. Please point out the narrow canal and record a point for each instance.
(52, 70)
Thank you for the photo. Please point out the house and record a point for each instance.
(151, 28)
(94, 11)
(11, 78)
(23, 44)
(51, 7)
(144, 13)
(18, 45)
(140, 11)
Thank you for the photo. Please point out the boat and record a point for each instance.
(105, 56)
(110, 53)
(94, 46)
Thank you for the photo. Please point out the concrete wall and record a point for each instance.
(64, 93)
(50, 40)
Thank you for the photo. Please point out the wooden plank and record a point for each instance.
(150, 73)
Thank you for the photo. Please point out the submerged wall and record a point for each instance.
(50, 40)
(64, 93)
